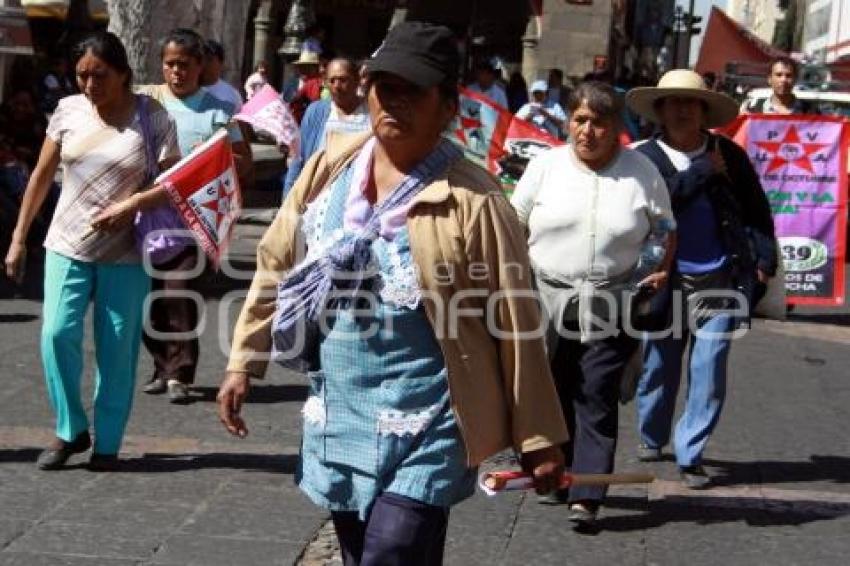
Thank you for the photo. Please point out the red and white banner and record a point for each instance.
(496, 139)
(204, 189)
(801, 162)
(268, 113)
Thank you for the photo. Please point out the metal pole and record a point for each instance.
(470, 38)
(262, 26)
(690, 35)
(676, 27)
(3, 74)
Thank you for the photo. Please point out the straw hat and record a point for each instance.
(682, 82)
(307, 58)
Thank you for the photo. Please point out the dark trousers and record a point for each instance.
(174, 359)
(587, 377)
(399, 531)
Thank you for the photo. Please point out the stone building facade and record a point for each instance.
(827, 30)
(528, 35)
(142, 23)
(758, 16)
(572, 36)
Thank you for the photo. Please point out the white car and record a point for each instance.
(836, 103)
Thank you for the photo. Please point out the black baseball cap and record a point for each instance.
(422, 53)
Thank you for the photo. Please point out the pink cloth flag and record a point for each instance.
(801, 162)
(268, 113)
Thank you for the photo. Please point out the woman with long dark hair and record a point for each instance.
(99, 137)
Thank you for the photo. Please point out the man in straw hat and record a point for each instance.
(309, 87)
(725, 243)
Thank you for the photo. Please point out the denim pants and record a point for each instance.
(399, 531)
(117, 292)
(708, 352)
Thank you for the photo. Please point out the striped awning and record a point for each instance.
(59, 8)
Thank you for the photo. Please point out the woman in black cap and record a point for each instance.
(412, 385)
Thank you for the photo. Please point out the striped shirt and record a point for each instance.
(101, 165)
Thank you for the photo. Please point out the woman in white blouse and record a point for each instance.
(590, 209)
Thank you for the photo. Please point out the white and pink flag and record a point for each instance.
(268, 113)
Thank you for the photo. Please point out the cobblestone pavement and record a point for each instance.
(189, 494)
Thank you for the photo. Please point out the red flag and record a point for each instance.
(204, 189)
(523, 142)
(496, 139)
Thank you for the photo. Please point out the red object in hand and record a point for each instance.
(497, 481)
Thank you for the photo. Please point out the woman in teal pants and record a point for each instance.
(91, 252)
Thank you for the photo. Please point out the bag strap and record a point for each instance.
(662, 162)
(756, 106)
(148, 137)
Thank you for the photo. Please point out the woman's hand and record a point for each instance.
(231, 395)
(116, 216)
(655, 281)
(546, 466)
(717, 161)
(15, 261)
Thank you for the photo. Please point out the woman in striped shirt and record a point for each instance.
(92, 256)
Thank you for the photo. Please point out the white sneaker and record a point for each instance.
(155, 386)
(178, 393)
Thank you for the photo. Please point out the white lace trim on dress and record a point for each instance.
(399, 423)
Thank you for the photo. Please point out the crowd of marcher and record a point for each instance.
(417, 290)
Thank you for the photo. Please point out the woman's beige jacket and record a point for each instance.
(475, 281)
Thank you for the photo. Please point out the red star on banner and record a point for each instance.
(791, 150)
(219, 205)
(466, 123)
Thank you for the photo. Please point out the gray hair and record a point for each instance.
(599, 97)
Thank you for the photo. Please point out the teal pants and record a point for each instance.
(117, 292)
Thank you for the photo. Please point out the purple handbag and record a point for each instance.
(159, 231)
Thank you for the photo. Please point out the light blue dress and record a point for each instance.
(378, 417)
(197, 117)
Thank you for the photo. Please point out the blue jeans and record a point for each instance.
(706, 390)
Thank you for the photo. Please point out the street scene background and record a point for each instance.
(190, 494)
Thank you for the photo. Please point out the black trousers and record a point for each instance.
(173, 358)
(399, 531)
(587, 377)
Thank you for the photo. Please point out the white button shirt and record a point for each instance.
(589, 224)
